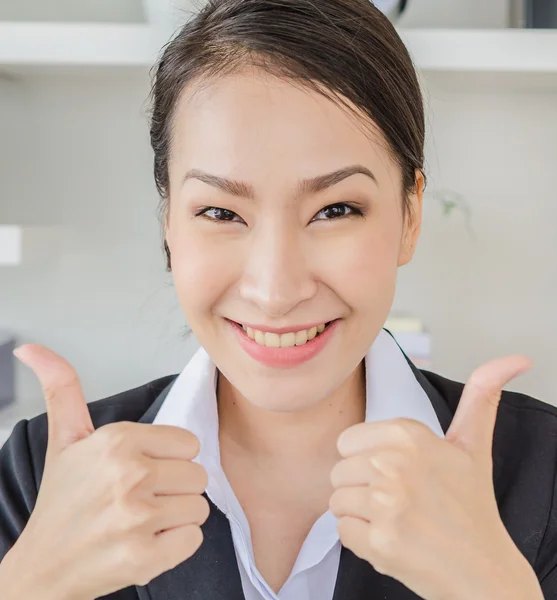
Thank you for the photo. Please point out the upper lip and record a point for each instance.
(287, 329)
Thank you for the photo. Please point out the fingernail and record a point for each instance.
(17, 352)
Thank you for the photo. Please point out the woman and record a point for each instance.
(300, 454)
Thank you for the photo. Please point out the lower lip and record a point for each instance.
(284, 357)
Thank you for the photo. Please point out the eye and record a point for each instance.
(337, 211)
(220, 215)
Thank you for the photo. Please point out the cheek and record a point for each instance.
(202, 272)
(363, 266)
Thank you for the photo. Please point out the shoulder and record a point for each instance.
(510, 401)
(525, 429)
(524, 471)
(524, 439)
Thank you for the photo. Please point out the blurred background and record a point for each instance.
(81, 261)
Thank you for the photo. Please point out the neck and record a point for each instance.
(248, 430)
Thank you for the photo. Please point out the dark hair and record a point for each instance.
(339, 48)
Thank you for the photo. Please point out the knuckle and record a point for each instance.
(205, 509)
(200, 477)
(132, 556)
(128, 474)
(192, 540)
(381, 567)
(200, 509)
(192, 444)
(143, 578)
(113, 437)
(180, 547)
(50, 392)
(335, 502)
(480, 382)
(132, 516)
(384, 542)
(408, 432)
(336, 473)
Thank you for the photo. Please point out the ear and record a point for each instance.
(413, 222)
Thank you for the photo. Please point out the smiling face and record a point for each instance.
(251, 243)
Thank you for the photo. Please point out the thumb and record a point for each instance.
(474, 422)
(67, 411)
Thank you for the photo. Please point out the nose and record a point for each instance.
(276, 276)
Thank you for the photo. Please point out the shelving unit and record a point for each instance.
(30, 46)
(484, 50)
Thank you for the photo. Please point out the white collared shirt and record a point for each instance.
(391, 391)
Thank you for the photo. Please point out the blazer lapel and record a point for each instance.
(439, 404)
(357, 579)
(212, 572)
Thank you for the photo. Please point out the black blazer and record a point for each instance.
(524, 467)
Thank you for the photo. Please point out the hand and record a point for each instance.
(117, 506)
(422, 509)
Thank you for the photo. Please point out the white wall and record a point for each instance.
(72, 10)
(420, 13)
(492, 292)
(83, 161)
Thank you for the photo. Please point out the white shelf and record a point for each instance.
(78, 44)
(483, 50)
(66, 45)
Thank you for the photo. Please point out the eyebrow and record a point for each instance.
(305, 186)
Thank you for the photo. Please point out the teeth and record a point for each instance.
(285, 340)
(301, 338)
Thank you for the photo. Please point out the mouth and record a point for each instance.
(289, 339)
(287, 349)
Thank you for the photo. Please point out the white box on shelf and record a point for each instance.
(10, 244)
(26, 245)
(403, 322)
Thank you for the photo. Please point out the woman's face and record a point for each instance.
(260, 234)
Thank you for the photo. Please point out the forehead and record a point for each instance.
(252, 121)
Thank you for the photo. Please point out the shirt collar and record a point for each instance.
(392, 391)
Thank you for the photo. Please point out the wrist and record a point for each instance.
(21, 578)
(516, 580)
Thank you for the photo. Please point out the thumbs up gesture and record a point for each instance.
(422, 509)
(117, 506)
